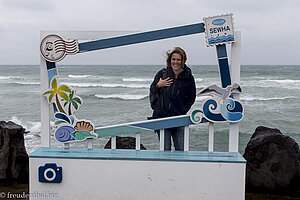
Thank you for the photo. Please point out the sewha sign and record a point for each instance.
(219, 30)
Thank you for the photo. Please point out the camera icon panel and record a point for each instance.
(50, 173)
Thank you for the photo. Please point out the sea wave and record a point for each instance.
(108, 85)
(31, 127)
(284, 81)
(27, 83)
(122, 96)
(288, 84)
(252, 98)
(198, 80)
(9, 77)
(79, 76)
(137, 79)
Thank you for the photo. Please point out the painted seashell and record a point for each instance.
(84, 126)
(63, 133)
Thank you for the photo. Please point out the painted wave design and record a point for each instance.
(209, 105)
(218, 39)
(231, 111)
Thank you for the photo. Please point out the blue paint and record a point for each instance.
(62, 116)
(220, 39)
(229, 112)
(141, 37)
(148, 155)
(221, 51)
(63, 134)
(118, 130)
(50, 173)
(215, 117)
(52, 71)
(139, 127)
(223, 65)
(167, 123)
(51, 74)
(50, 65)
(218, 22)
(224, 72)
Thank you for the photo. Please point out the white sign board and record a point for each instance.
(219, 29)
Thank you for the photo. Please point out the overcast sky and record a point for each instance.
(270, 29)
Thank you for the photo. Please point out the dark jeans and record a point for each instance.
(177, 135)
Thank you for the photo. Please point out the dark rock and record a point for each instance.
(273, 163)
(124, 143)
(13, 155)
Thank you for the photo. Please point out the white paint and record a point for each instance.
(162, 139)
(142, 180)
(113, 142)
(66, 145)
(211, 136)
(137, 141)
(45, 109)
(235, 78)
(186, 138)
(218, 27)
(90, 143)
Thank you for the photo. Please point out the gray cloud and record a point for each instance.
(29, 5)
(269, 29)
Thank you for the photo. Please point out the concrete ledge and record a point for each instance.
(107, 154)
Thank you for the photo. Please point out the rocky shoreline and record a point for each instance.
(273, 163)
(272, 169)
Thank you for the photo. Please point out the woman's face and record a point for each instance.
(176, 62)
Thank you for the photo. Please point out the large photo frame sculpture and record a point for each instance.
(134, 174)
(221, 107)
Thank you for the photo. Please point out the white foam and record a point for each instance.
(284, 81)
(136, 79)
(4, 77)
(198, 80)
(78, 76)
(122, 96)
(32, 127)
(109, 85)
(252, 98)
(28, 83)
(9, 77)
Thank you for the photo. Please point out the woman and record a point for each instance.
(177, 94)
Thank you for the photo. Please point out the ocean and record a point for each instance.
(114, 94)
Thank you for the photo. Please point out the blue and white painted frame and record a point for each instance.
(48, 70)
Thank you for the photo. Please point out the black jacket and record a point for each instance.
(176, 99)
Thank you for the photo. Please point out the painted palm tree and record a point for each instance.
(55, 91)
(73, 101)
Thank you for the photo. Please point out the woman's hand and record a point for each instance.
(164, 82)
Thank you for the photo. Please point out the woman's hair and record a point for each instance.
(181, 52)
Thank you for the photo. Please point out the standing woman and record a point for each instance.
(177, 94)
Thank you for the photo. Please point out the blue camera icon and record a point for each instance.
(50, 173)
